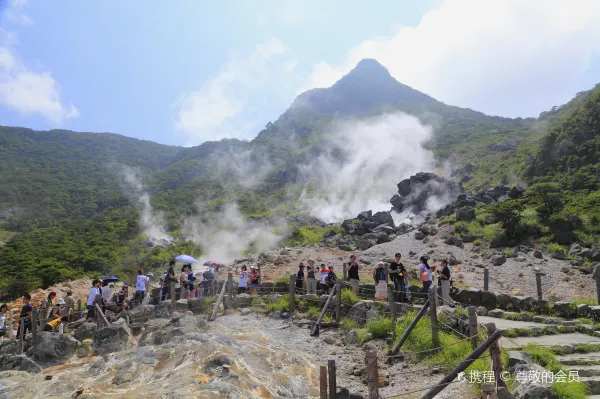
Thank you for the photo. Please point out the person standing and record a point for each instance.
(69, 305)
(445, 284)
(254, 280)
(380, 282)
(243, 283)
(397, 275)
(331, 279)
(184, 282)
(25, 316)
(311, 281)
(425, 276)
(95, 290)
(300, 278)
(323, 281)
(141, 286)
(3, 309)
(353, 278)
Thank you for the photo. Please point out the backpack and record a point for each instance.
(331, 278)
(380, 276)
(208, 275)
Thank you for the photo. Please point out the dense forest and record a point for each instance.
(69, 202)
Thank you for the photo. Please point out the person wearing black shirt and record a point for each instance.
(398, 276)
(352, 268)
(25, 316)
(445, 284)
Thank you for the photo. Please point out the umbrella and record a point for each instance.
(110, 279)
(212, 263)
(186, 259)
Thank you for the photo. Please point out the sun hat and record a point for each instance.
(60, 301)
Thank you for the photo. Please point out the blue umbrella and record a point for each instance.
(110, 279)
(186, 259)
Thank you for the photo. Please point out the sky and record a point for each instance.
(185, 72)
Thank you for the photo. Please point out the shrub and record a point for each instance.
(348, 324)
(349, 297)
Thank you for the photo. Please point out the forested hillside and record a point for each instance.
(68, 206)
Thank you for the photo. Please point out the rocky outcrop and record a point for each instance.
(416, 191)
(112, 338)
(19, 363)
(85, 331)
(52, 347)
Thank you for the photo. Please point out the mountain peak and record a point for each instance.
(367, 87)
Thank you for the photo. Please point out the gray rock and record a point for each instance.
(419, 235)
(111, 339)
(465, 214)
(85, 331)
(517, 357)
(538, 254)
(453, 240)
(481, 311)
(373, 314)
(141, 314)
(344, 393)
(19, 363)
(364, 243)
(358, 312)
(52, 346)
(329, 340)
(352, 337)
(498, 259)
(243, 301)
(163, 310)
(559, 254)
(496, 313)
(245, 311)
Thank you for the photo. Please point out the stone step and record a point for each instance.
(593, 383)
(585, 370)
(593, 397)
(592, 358)
(549, 340)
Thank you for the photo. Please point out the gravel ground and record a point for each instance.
(404, 377)
(556, 283)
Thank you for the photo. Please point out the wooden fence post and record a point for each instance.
(43, 313)
(463, 365)
(34, 326)
(392, 302)
(387, 272)
(316, 326)
(332, 379)
(21, 333)
(218, 303)
(79, 307)
(495, 356)
(486, 278)
(323, 381)
(98, 301)
(11, 321)
(173, 296)
(433, 314)
(230, 290)
(410, 328)
(538, 283)
(292, 292)
(338, 301)
(473, 325)
(489, 390)
(344, 272)
(372, 374)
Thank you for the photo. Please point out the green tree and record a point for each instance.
(549, 199)
(509, 215)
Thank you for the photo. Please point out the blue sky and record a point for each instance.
(187, 71)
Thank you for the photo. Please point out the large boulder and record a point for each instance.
(85, 331)
(383, 218)
(163, 310)
(488, 300)
(358, 313)
(112, 338)
(141, 314)
(465, 214)
(498, 259)
(52, 346)
(19, 363)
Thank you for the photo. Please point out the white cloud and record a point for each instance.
(18, 3)
(508, 57)
(207, 114)
(29, 92)
(289, 66)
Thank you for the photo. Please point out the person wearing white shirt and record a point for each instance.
(94, 291)
(141, 286)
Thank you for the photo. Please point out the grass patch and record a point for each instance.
(362, 334)
(518, 316)
(546, 358)
(553, 247)
(585, 301)
(349, 297)
(420, 340)
(380, 328)
(348, 324)
(313, 311)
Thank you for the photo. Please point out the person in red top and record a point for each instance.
(323, 283)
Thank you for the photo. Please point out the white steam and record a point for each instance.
(361, 164)
(152, 223)
(226, 235)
